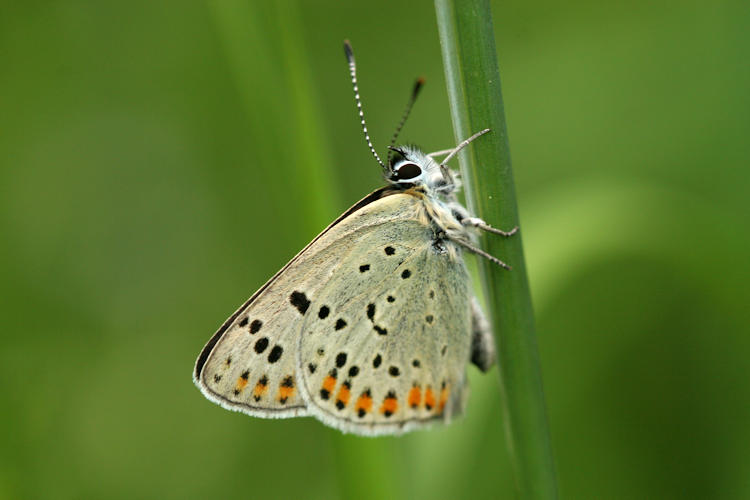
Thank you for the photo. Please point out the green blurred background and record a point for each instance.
(160, 160)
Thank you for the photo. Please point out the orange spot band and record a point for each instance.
(241, 383)
(286, 392)
(329, 383)
(429, 398)
(259, 390)
(344, 394)
(364, 403)
(389, 406)
(415, 396)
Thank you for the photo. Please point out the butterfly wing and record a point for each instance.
(384, 346)
(249, 365)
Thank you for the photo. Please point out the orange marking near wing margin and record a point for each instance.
(260, 388)
(344, 394)
(390, 405)
(241, 383)
(329, 383)
(429, 399)
(286, 389)
(364, 404)
(415, 396)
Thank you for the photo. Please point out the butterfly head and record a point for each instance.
(410, 167)
(407, 166)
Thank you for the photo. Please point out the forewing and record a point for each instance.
(249, 365)
(386, 344)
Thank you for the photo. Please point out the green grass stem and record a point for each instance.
(473, 80)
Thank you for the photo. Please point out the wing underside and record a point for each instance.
(367, 329)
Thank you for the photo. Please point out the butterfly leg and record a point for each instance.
(478, 251)
(442, 152)
(483, 353)
(477, 222)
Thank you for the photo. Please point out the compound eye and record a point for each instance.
(408, 171)
(396, 157)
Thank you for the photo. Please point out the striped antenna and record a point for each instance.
(353, 71)
(414, 93)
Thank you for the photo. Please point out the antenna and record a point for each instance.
(353, 71)
(414, 93)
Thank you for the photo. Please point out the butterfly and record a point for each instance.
(371, 326)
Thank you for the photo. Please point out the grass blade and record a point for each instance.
(473, 80)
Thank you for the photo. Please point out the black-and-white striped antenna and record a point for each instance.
(414, 93)
(353, 71)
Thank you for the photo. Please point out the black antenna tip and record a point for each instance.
(417, 87)
(348, 51)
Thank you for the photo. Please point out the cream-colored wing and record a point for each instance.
(249, 365)
(386, 346)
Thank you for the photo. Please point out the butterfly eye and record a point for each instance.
(408, 171)
(397, 156)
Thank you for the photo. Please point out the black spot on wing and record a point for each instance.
(380, 330)
(376, 362)
(300, 301)
(323, 312)
(243, 321)
(389, 250)
(370, 311)
(275, 354)
(340, 323)
(405, 274)
(261, 344)
(364, 267)
(255, 326)
(340, 359)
